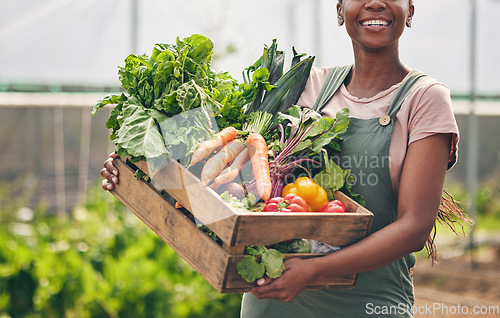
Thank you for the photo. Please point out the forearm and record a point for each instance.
(381, 248)
(419, 197)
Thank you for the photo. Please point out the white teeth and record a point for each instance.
(375, 22)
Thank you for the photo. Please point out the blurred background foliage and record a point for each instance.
(97, 261)
(101, 261)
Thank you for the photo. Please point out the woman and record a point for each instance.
(404, 134)
(402, 125)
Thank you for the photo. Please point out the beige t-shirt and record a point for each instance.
(426, 111)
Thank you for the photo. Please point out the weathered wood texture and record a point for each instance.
(149, 201)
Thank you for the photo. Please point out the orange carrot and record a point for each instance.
(230, 173)
(257, 149)
(218, 162)
(208, 146)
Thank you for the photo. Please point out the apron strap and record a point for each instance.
(333, 81)
(338, 74)
(403, 90)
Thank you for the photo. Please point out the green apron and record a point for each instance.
(384, 292)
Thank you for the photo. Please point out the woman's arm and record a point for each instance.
(420, 191)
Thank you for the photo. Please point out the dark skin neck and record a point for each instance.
(375, 70)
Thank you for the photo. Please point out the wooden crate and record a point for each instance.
(152, 202)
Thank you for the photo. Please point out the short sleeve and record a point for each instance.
(433, 114)
(313, 86)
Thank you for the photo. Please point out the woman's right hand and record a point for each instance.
(109, 173)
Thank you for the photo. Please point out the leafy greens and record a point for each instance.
(173, 100)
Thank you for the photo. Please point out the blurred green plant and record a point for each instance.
(487, 212)
(98, 261)
(487, 196)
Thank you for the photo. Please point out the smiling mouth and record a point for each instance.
(375, 23)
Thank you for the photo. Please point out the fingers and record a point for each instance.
(106, 185)
(272, 289)
(109, 173)
(108, 165)
(264, 281)
(294, 279)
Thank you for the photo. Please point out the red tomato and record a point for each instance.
(340, 203)
(333, 207)
(294, 207)
(295, 199)
(275, 200)
(271, 207)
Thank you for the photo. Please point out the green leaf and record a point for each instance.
(273, 261)
(188, 96)
(252, 251)
(139, 134)
(113, 121)
(250, 269)
(293, 115)
(260, 75)
(341, 121)
(201, 47)
(349, 180)
(109, 99)
(332, 177)
(288, 88)
(139, 174)
(299, 246)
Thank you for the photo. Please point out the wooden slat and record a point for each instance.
(205, 204)
(341, 229)
(194, 246)
(266, 228)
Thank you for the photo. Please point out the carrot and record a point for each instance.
(218, 162)
(230, 173)
(257, 149)
(208, 146)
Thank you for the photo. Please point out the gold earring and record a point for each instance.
(340, 21)
(408, 22)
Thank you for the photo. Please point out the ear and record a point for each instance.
(340, 14)
(411, 12)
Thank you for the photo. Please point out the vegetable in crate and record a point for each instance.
(173, 100)
(216, 164)
(208, 146)
(270, 263)
(287, 87)
(315, 196)
(334, 206)
(302, 136)
(257, 150)
(289, 203)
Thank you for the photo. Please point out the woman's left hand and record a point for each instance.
(297, 275)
